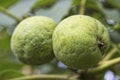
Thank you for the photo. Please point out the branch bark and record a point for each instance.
(44, 77)
(82, 7)
(109, 55)
(5, 11)
(104, 65)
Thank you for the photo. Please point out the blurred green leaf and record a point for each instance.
(76, 2)
(117, 54)
(101, 75)
(5, 44)
(57, 11)
(19, 9)
(115, 3)
(92, 4)
(43, 3)
(117, 27)
(8, 64)
(7, 3)
(4, 40)
(98, 16)
(8, 74)
(108, 13)
(114, 35)
(112, 14)
(89, 3)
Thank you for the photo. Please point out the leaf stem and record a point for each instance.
(44, 77)
(110, 54)
(82, 7)
(117, 46)
(104, 65)
(5, 11)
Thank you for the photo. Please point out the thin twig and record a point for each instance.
(5, 11)
(44, 77)
(104, 65)
(117, 46)
(109, 55)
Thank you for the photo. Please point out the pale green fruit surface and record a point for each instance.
(31, 41)
(75, 41)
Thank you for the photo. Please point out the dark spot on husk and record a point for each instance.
(101, 44)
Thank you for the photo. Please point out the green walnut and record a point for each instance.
(80, 41)
(31, 41)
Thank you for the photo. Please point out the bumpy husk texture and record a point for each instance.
(31, 41)
(80, 41)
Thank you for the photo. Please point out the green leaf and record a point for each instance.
(6, 56)
(5, 52)
(76, 2)
(8, 64)
(7, 3)
(8, 74)
(117, 27)
(112, 14)
(20, 9)
(92, 4)
(4, 40)
(89, 3)
(57, 11)
(116, 55)
(115, 3)
(42, 3)
(114, 35)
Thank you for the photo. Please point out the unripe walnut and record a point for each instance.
(80, 41)
(31, 41)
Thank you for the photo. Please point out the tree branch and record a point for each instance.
(117, 46)
(110, 54)
(44, 77)
(104, 65)
(82, 7)
(5, 11)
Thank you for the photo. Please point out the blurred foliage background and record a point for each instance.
(13, 11)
